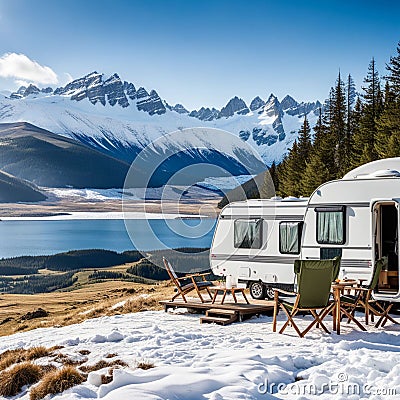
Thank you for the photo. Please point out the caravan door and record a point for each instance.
(386, 222)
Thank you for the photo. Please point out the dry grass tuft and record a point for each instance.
(102, 364)
(84, 352)
(106, 379)
(47, 368)
(10, 357)
(57, 347)
(141, 304)
(145, 365)
(37, 352)
(13, 379)
(111, 355)
(56, 382)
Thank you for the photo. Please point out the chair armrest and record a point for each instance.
(183, 277)
(193, 275)
(284, 292)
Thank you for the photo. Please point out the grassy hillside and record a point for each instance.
(46, 159)
(88, 300)
(13, 190)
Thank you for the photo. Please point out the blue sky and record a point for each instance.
(200, 52)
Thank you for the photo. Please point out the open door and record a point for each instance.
(386, 244)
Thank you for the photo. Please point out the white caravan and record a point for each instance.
(356, 217)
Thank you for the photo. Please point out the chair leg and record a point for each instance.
(385, 316)
(209, 293)
(276, 295)
(290, 320)
(318, 319)
(348, 315)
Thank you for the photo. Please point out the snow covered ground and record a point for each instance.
(241, 361)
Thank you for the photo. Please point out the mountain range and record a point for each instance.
(115, 119)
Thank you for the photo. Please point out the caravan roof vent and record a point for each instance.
(292, 198)
(276, 198)
(382, 173)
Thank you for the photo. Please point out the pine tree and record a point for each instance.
(315, 174)
(371, 91)
(388, 125)
(304, 144)
(394, 73)
(350, 100)
(371, 110)
(321, 158)
(357, 139)
(338, 127)
(274, 176)
(290, 174)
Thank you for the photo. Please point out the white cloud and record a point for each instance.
(22, 68)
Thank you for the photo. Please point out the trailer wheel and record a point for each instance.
(257, 290)
(269, 293)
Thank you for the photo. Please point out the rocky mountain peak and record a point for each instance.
(234, 106)
(205, 114)
(180, 109)
(151, 103)
(272, 106)
(130, 90)
(288, 102)
(257, 103)
(114, 90)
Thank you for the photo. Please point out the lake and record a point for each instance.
(19, 238)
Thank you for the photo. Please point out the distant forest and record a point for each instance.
(21, 274)
(352, 129)
(71, 260)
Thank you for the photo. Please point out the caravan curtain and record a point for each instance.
(330, 227)
(289, 237)
(247, 234)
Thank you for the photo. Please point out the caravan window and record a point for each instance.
(248, 234)
(331, 225)
(290, 237)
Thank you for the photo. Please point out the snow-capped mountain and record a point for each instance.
(120, 119)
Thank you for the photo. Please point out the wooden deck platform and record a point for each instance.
(241, 310)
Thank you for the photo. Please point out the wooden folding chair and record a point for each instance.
(183, 289)
(314, 279)
(363, 298)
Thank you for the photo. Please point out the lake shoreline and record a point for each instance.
(183, 208)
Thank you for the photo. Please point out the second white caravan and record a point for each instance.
(357, 218)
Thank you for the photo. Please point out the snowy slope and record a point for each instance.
(113, 116)
(241, 361)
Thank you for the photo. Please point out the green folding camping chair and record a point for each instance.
(363, 298)
(314, 279)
